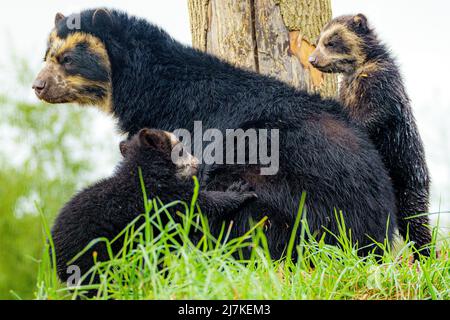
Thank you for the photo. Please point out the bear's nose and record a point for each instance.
(39, 85)
(312, 60)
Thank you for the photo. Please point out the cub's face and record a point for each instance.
(77, 69)
(339, 47)
(164, 146)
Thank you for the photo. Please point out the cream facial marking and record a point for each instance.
(186, 164)
(77, 69)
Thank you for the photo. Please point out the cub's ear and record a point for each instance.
(123, 146)
(359, 23)
(155, 139)
(58, 17)
(102, 19)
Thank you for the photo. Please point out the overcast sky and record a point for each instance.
(417, 32)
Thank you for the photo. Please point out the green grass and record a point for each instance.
(159, 261)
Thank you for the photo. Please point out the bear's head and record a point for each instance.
(77, 65)
(342, 45)
(157, 148)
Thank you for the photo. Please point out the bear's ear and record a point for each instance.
(155, 139)
(123, 146)
(58, 17)
(102, 19)
(359, 23)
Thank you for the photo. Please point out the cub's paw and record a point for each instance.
(249, 197)
(240, 186)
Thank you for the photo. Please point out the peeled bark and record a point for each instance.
(272, 37)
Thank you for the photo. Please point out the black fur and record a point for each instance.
(338, 178)
(160, 83)
(106, 208)
(392, 127)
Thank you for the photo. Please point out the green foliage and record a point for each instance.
(159, 261)
(44, 174)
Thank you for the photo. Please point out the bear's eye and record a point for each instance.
(66, 60)
(331, 44)
(334, 41)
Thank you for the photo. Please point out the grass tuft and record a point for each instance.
(160, 261)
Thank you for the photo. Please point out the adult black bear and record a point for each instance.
(137, 72)
(106, 208)
(373, 93)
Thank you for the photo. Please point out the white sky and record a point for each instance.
(417, 31)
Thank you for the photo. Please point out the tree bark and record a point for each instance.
(272, 37)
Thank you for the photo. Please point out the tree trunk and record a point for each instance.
(272, 37)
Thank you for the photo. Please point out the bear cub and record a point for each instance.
(373, 94)
(106, 208)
